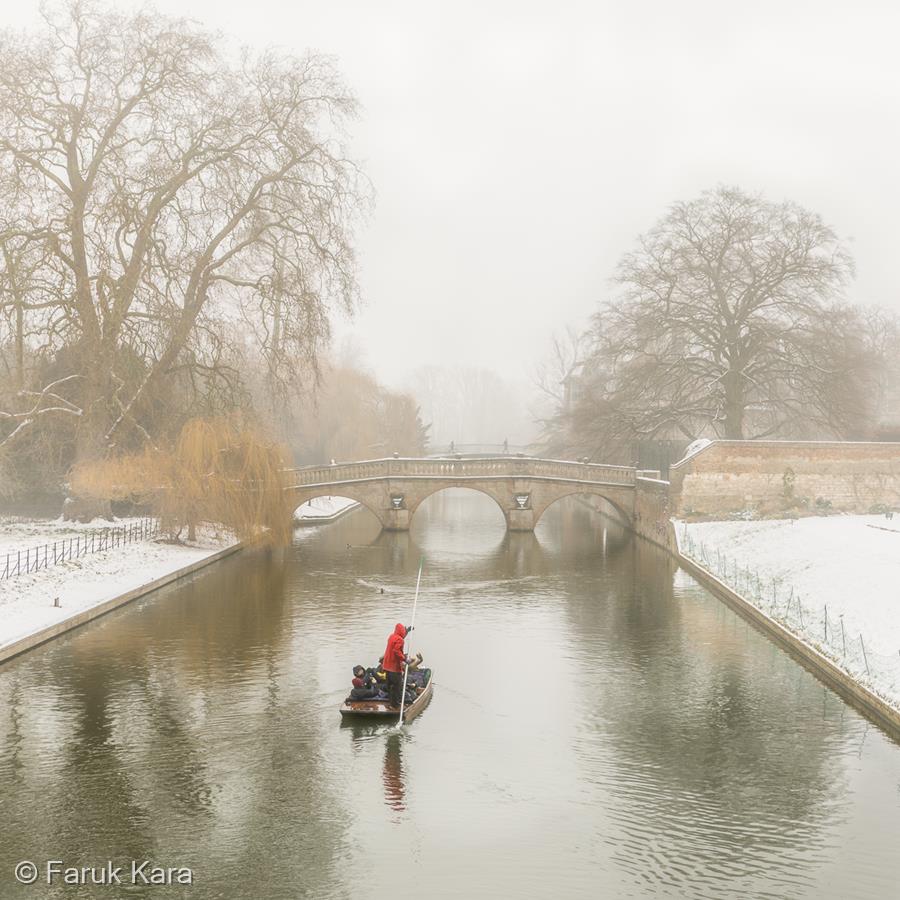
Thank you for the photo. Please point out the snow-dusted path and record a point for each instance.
(323, 508)
(27, 601)
(849, 564)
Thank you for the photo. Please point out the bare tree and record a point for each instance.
(470, 405)
(352, 416)
(554, 377)
(727, 325)
(568, 352)
(165, 190)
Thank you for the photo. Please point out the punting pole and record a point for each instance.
(413, 622)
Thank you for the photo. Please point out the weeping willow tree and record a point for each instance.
(218, 471)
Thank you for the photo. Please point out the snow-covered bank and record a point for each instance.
(27, 601)
(323, 508)
(18, 533)
(831, 580)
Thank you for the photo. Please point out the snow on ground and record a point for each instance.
(26, 601)
(21, 534)
(323, 507)
(851, 564)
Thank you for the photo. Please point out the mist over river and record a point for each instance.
(601, 727)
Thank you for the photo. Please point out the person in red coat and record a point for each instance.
(394, 661)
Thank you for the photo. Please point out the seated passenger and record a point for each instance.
(362, 688)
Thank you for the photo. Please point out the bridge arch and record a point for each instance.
(496, 493)
(301, 497)
(582, 491)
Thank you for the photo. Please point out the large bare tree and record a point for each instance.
(728, 324)
(160, 192)
(352, 416)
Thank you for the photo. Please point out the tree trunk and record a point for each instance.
(734, 406)
(90, 436)
(20, 348)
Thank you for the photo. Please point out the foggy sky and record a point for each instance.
(517, 149)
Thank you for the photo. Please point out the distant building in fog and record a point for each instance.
(573, 387)
(888, 427)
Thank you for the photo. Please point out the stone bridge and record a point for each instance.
(523, 487)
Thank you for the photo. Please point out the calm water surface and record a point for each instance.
(601, 727)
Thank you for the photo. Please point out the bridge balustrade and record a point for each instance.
(500, 467)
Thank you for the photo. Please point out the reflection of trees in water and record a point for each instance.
(709, 730)
(83, 804)
(225, 616)
(168, 736)
(195, 729)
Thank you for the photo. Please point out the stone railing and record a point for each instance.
(462, 469)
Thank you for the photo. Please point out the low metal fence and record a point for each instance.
(42, 556)
(806, 618)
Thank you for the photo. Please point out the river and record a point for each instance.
(601, 727)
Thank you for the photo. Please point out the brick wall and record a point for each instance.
(786, 477)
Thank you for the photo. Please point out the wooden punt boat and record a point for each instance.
(373, 710)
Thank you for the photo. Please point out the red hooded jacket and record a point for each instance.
(393, 654)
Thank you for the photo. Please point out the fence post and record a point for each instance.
(78, 545)
(826, 623)
(843, 636)
(865, 658)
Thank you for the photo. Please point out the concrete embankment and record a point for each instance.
(30, 617)
(652, 522)
(844, 684)
(83, 616)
